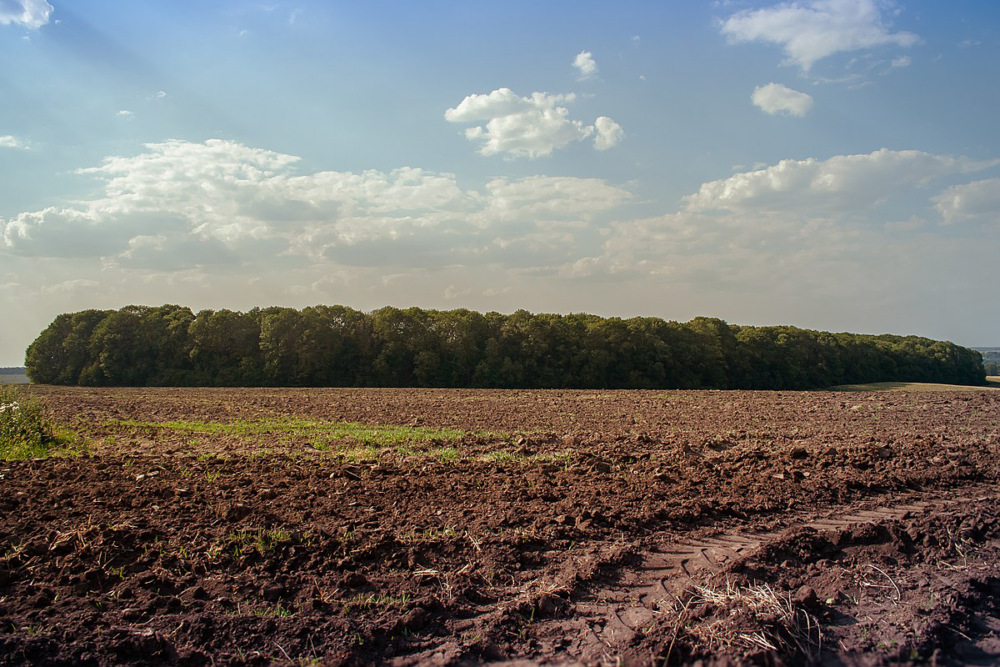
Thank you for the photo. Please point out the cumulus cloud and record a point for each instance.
(125, 113)
(550, 197)
(9, 141)
(522, 126)
(843, 182)
(182, 205)
(979, 199)
(805, 235)
(812, 30)
(585, 65)
(775, 98)
(609, 133)
(29, 13)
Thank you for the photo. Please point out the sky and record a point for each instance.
(829, 164)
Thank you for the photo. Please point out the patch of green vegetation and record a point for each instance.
(502, 457)
(276, 611)
(320, 434)
(564, 457)
(360, 454)
(374, 601)
(445, 455)
(26, 432)
(909, 386)
(427, 535)
(263, 541)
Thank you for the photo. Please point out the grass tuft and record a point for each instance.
(26, 432)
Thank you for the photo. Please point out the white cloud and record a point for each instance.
(125, 113)
(70, 286)
(181, 205)
(29, 13)
(585, 65)
(843, 182)
(901, 61)
(764, 261)
(815, 29)
(979, 199)
(520, 126)
(609, 133)
(453, 292)
(550, 197)
(9, 141)
(775, 98)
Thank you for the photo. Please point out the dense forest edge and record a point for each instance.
(337, 346)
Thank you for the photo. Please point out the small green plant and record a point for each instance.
(262, 541)
(247, 608)
(427, 535)
(446, 455)
(26, 432)
(277, 611)
(375, 601)
(501, 457)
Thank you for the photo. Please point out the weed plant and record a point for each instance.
(26, 432)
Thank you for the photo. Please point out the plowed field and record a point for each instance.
(455, 527)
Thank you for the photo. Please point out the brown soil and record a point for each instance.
(871, 518)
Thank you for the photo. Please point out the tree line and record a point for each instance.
(337, 346)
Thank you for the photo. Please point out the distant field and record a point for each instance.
(994, 383)
(14, 379)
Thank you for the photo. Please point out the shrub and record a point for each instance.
(25, 430)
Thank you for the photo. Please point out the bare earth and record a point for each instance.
(563, 527)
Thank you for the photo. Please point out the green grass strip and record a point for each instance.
(365, 434)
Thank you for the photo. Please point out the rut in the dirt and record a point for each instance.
(607, 615)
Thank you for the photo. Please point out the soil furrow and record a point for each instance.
(624, 605)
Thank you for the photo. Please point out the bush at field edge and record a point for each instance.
(25, 430)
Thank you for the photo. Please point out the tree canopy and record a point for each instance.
(337, 346)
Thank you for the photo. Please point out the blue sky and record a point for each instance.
(832, 164)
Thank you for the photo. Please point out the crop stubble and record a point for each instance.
(563, 527)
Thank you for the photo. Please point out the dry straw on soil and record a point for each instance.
(748, 619)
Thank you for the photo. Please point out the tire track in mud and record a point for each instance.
(607, 615)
